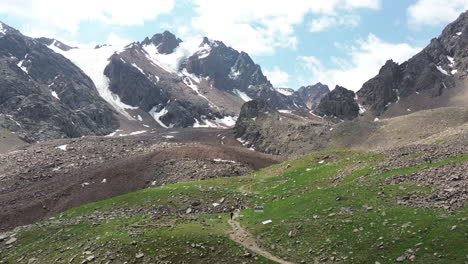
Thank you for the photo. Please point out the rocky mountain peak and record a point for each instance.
(339, 103)
(5, 29)
(433, 71)
(56, 43)
(313, 94)
(165, 42)
(212, 43)
(389, 67)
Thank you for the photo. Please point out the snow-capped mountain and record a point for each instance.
(165, 82)
(158, 82)
(178, 84)
(43, 95)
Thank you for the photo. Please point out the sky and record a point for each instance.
(296, 42)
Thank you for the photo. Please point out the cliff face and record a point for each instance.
(312, 94)
(45, 96)
(339, 103)
(436, 69)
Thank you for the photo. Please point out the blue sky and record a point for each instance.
(296, 42)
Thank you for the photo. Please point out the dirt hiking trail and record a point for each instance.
(241, 236)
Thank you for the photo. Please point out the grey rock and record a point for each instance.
(29, 72)
(339, 103)
(11, 241)
(165, 42)
(312, 94)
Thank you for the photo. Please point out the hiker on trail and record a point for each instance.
(232, 214)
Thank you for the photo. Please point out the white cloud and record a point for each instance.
(435, 12)
(364, 62)
(116, 40)
(67, 15)
(259, 27)
(326, 22)
(277, 77)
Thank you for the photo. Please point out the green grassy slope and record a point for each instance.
(325, 207)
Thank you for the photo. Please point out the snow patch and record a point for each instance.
(104, 181)
(459, 33)
(312, 113)
(62, 147)
(243, 142)
(376, 119)
(222, 123)
(221, 160)
(93, 62)
(3, 30)
(138, 132)
(157, 116)
(21, 62)
(234, 74)
(54, 94)
(138, 68)
(168, 137)
(442, 70)
(267, 222)
(362, 110)
(12, 119)
(242, 95)
(140, 118)
(171, 62)
(286, 92)
(114, 133)
(204, 51)
(452, 61)
(190, 80)
(454, 71)
(227, 121)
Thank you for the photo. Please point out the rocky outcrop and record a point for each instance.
(312, 94)
(339, 103)
(133, 87)
(166, 42)
(438, 67)
(45, 96)
(264, 129)
(250, 112)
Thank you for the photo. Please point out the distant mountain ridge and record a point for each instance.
(430, 79)
(163, 82)
(205, 88)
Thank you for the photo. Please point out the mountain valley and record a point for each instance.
(182, 151)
